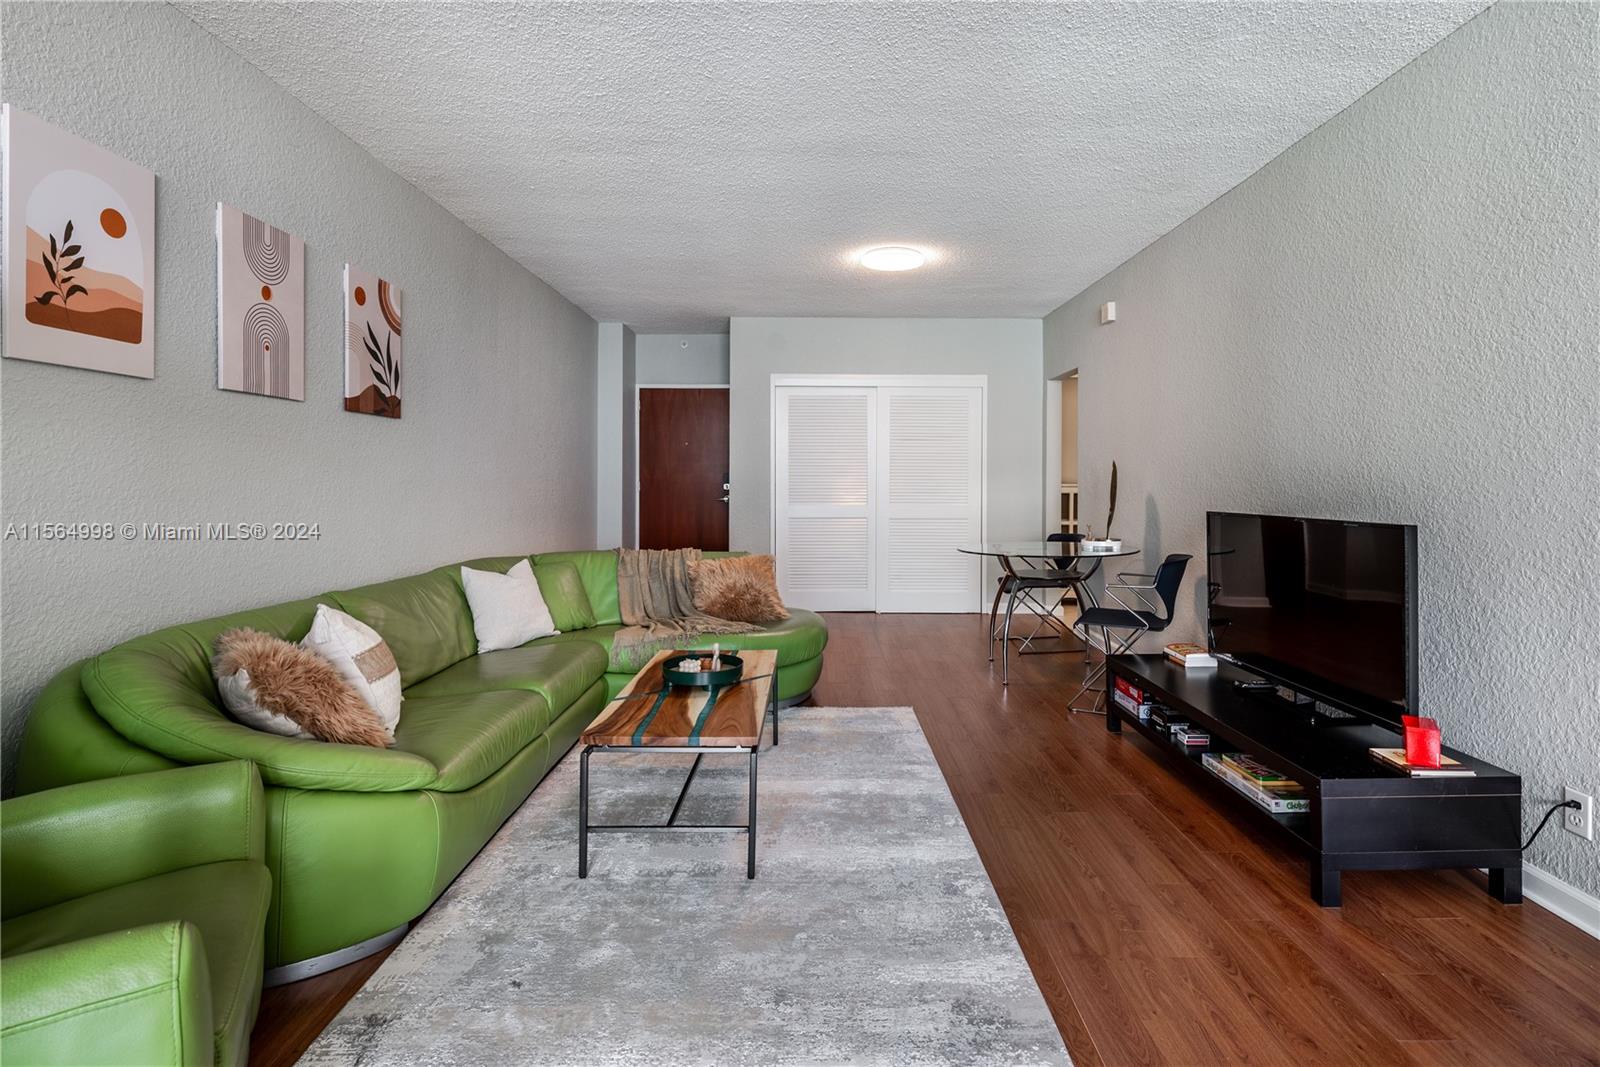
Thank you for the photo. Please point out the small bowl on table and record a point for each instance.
(730, 671)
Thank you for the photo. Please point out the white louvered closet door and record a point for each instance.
(930, 486)
(826, 496)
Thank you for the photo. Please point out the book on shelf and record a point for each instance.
(1395, 760)
(1190, 656)
(1127, 695)
(1166, 720)
(1275, 802)
(1259, 774)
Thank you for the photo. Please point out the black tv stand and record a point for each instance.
(1312, 712)
(1362, 816)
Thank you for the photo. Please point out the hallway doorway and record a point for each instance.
(1068, 445)
(683, 467)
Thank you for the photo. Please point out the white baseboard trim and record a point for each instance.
(1562, 900)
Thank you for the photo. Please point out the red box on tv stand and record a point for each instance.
(1422, 740)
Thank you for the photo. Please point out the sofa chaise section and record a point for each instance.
(798, 640)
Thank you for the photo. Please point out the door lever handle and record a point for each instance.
(724, 500)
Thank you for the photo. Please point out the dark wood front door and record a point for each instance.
(683, 464)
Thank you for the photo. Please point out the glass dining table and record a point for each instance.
(1032, 567)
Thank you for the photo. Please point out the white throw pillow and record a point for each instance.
(507, 609)
(361, 657)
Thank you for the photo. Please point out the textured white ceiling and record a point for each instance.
(668, 165)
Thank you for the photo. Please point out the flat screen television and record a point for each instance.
(1324, 607)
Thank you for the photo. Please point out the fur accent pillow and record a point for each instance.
(739, 589)
(272, 685)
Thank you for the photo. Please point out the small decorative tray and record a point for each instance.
(731, 671)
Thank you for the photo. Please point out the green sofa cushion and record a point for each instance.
(226, 901)
(157, 691)
(185, 651)
(598, 571)
(562, 588)
(424, 619)
(598, 636)
(469, 736)
(133, 996)
(560, 673)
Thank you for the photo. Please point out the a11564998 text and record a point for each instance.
(247, 530)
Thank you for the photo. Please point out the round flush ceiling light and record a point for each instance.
(892, 257)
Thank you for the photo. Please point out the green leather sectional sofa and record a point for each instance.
(360, 841)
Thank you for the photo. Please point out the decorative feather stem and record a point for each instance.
(1111, 512)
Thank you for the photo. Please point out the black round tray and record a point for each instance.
(732, 670)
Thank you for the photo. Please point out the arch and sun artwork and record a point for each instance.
(80, 230)
(372, 344)
(261, 307)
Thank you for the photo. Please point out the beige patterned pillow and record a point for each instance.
(739, 589)
(269, 684)
(361, 657)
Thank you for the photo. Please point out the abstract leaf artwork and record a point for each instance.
(261, 307)
(372, 344)
(80, 232)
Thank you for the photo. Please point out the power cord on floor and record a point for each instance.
(1553, 809)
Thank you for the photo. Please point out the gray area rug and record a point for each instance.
(870, 935)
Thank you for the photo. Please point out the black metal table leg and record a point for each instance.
(773, 700)
(750, 863)
(672, 819)
(583, 813)
(672, 825)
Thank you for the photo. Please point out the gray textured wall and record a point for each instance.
(1009, 351)
(683, 358)
(609, 419)
(1398, 320)
(497, 443)
(630, 439)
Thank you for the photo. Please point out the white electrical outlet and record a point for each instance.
(1579, 821)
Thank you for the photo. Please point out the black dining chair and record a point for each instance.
(1082, 569)
(1065, 562)
(1062, 576)
(1006, 585)
(1132, 623)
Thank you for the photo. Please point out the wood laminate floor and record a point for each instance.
(1160, 932)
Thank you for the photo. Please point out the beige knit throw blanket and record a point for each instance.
(655, 592)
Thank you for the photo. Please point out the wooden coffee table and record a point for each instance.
(650, 716)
